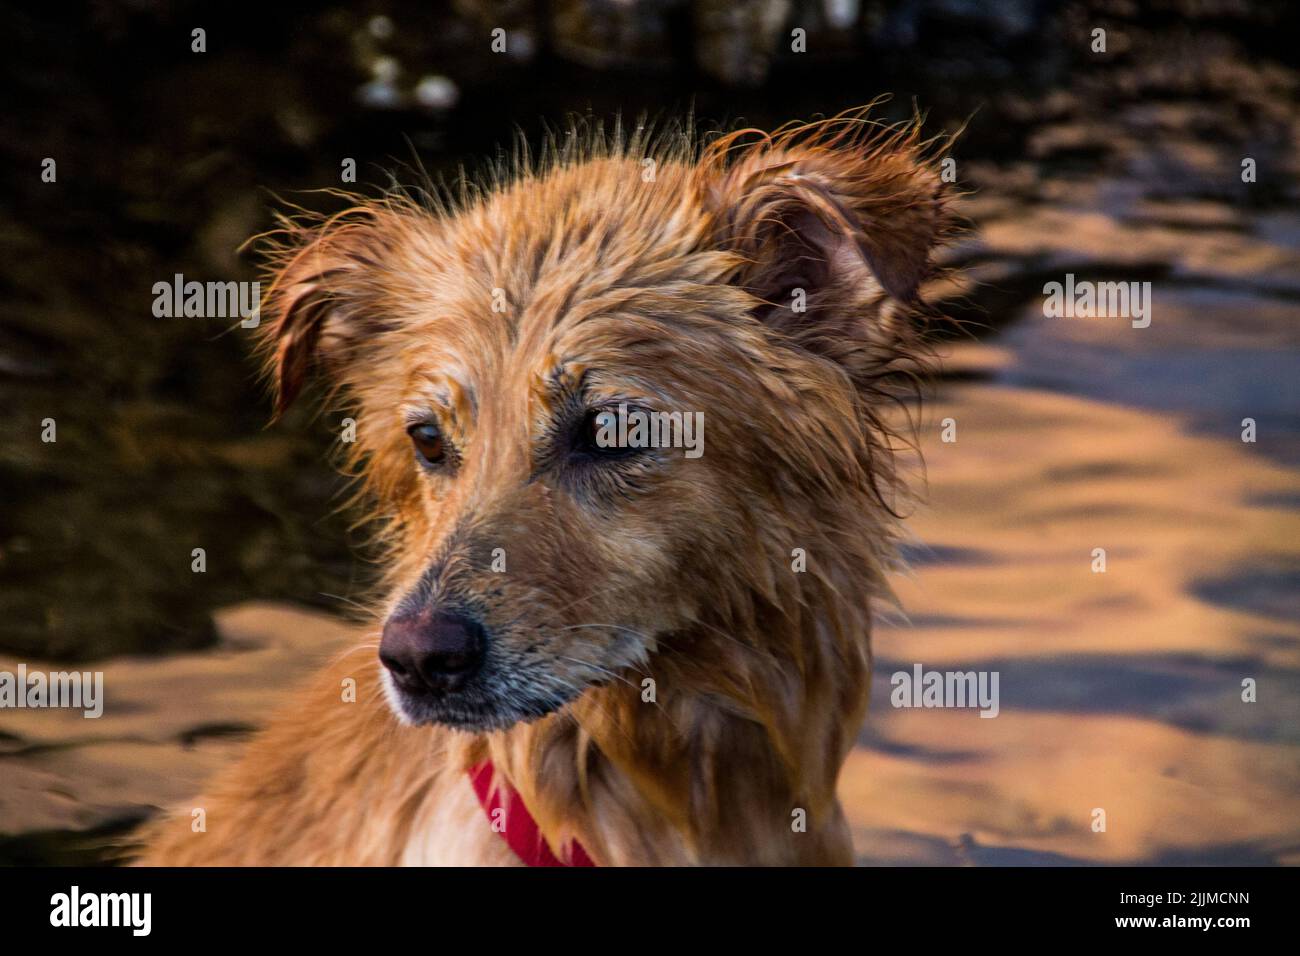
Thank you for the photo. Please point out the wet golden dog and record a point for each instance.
(665, 657)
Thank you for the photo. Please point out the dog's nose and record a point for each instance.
(432, 652)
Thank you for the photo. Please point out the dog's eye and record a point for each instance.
(429, 446)
(598, 435)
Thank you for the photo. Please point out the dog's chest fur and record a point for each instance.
(453, 830)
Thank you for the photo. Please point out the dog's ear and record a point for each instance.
(320, 300)
(825, 217)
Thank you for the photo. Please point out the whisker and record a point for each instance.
(597, 667)
(346, 600)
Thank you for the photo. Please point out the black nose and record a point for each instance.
(432, 652)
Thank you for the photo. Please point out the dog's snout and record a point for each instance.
(432, 652)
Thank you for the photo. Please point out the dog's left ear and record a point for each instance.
(826, 210)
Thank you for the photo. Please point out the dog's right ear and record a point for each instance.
(840, 209)
(321, 295)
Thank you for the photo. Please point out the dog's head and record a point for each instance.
(603, 403)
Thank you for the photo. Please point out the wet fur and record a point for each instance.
(675, 293)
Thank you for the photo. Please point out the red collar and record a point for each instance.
(519, 828)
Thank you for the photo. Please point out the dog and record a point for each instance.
(595, 651)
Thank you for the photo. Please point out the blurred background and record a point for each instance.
(1119, 690)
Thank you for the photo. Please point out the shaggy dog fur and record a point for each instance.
(768, 280)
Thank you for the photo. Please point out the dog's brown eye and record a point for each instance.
(428, 442)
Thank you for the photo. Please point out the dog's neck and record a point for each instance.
(733, 758)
